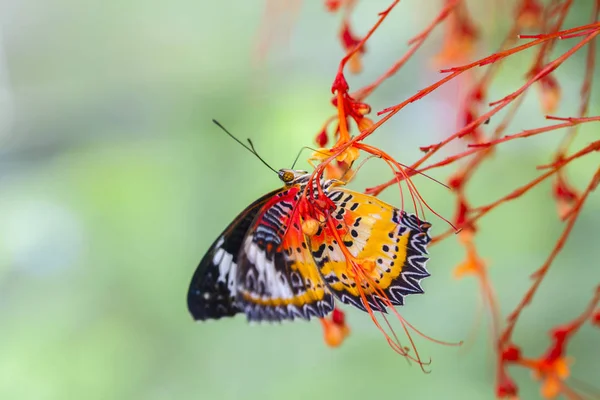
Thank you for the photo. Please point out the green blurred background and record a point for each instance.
(114, 182)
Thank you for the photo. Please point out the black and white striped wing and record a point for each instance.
(212, 291)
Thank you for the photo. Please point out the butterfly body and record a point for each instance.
(266, 266)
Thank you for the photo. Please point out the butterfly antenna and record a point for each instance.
(306, 148)
(251, 149)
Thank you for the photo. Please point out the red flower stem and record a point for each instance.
(570, 122)
(550, 67)
(472, 164)
(556, 166)
(500, 104)
(525, 188)
(546, 47)
(382, 16)
(576, 324)
(415, 43)
(457, 71)
(585, 87)
(541, 272)
(482, 153)
(543, 38)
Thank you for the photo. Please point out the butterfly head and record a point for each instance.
(291, 176)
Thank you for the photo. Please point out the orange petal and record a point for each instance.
(364, 124)
(320, 154)
(561, 367)
(550, 94)
(472, 265)
(550, 388)
(529, 15)
(334, 171)
(349, 155)
(356, 63)
(464, 268)
(333, 333)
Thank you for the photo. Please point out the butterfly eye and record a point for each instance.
(287, 176)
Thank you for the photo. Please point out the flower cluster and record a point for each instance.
(536, 26)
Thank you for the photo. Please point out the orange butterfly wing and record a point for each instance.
(382, 254)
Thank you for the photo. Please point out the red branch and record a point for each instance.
(539, 275)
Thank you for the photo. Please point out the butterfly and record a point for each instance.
(365, 253)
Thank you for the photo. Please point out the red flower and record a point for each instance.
(335, 329)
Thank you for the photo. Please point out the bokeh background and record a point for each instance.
(114, 182)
